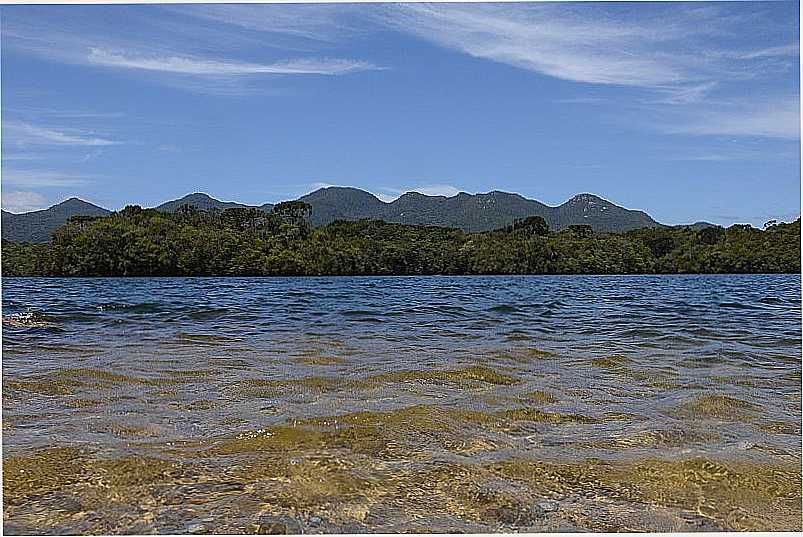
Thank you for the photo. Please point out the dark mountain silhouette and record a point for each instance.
(477, 212)
(342, 203)
(205, 202)
(697, 226)
(470, 212)
(37, 226)
(600, 214)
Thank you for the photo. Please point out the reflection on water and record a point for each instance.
(664, 403)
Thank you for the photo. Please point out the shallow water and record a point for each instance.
(436, 404)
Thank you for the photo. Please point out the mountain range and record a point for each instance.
(470, 212)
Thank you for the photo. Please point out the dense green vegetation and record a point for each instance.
(249, 241)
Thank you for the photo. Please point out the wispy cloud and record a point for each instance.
(37, 111)
(677, 65)
(791, 50)
(319, 185)
(21, 156)
(21, 133)
(685, 95)
(316, 22)
(178, 49)
(771, 118)
(185, 65)
(388, 194)
(730, 149)
(669, 52)
(555, 42)
(40, 178)
(581, 100)
(437, 190)
(21, 201)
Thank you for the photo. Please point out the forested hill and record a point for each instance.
(248, 241)
(469, 212)
(37, 226)
(205, 202)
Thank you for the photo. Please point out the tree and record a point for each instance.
(131, 210)
(711, 235)
(582, 230)
(533, 225)
(293, 211)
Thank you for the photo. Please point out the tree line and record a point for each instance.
(251, 242)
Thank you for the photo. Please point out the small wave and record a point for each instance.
(206, 314)
(736, 305)
(301, 293)
(143, 307)
(504, 308)
(620, 298)
(367, 320)
(518, 336)
(208, 339)
(28, 319)
(355, 313)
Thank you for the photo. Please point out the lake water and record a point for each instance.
(384, 404)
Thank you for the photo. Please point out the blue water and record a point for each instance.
(633, 355)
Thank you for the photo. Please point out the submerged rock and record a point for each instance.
(548, 506)
(277, 525)
(196, 528)
(515, 515)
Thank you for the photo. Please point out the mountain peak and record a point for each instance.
(36, 226)
(586, 198)
(74, 202)
(412, 195)
(201, 200)
(338, 190)
(198, 196)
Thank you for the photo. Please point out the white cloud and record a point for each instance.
(18, 132)
(21, 156)
(61, 114)
(20, 201)
(438, 190)
(39, 178)
(209, 67)
(387, 198)
(390, 194)
(771, 118)
(668, 50)
(543, 39)
(581, 100)
(791, 50)
(319, 185)
(177, 49)
(317, 22)
(686, 95)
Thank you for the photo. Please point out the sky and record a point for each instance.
(688, 111)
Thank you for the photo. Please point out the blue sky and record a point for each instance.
(689, 111)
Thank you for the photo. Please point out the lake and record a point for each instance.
(397, 404)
